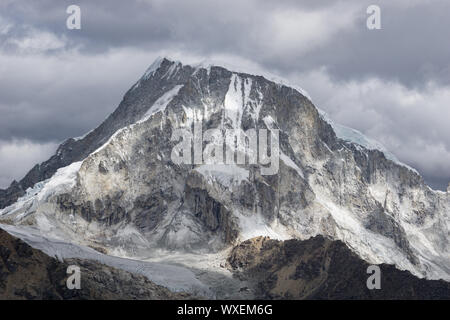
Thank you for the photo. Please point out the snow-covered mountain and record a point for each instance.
(118, 187)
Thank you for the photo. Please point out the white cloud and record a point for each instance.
(55, 97)
(295, 32)
(17, 157)
(38, 41)
(25, 39)
(4, 28)
(413, 124)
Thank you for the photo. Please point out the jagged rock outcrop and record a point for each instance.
(319, 268)
(331, 179)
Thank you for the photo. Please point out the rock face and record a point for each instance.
(120, 189)
(319, 268)
(27, 273)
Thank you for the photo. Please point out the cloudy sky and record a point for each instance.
(392, 84)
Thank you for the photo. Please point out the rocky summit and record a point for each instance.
(118, 187)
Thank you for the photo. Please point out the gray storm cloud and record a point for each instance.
(392, 84)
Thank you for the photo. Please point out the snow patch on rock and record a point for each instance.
(227, 175)
(61, 182)
(162, 102)
(356, 137)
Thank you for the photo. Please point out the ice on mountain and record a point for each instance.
(162, 102)
(62, 181)
(207, 64)
(356, 137)
(83, 136)
(175, 278)
(254, 225)
(172, 69)
(288, 161)
(152, 68)
(234, 102)
(225, 174)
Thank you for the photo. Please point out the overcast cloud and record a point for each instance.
(392, 84)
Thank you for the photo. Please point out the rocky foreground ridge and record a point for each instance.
(27, 273)
(319, 268)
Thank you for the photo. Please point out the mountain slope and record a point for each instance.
(122, 190)
(318, 268)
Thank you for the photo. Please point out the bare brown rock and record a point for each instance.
(319, 268)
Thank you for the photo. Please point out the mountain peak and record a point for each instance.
(156, 64)
(128, 183)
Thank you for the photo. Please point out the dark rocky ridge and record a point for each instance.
(27, 273)
(319, 268)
